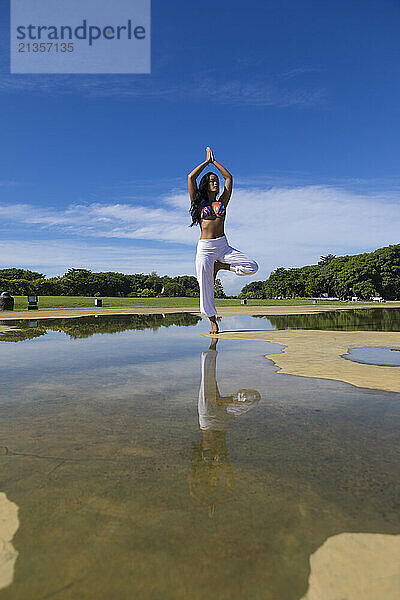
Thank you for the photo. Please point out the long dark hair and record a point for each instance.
(200, 199)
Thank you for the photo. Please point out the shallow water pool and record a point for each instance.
(139, 459)
(388, 357)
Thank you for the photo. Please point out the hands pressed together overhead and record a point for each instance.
(210, 155)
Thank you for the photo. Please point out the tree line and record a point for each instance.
(361, 275)
(83, 282)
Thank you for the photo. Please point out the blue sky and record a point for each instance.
(299, 100)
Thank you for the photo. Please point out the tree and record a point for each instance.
(20, 274)
(340, 276)
(324, 260)
(22, 287)
(146, 293)
(189, 283)
(77, 282)
(364, 289)
(110, 284)
(255, 289)
(218, 289)
(172, 288)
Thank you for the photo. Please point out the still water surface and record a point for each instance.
(388, 357)
(139, 460)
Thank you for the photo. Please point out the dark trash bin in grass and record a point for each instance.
(6, 301)
(32, 302)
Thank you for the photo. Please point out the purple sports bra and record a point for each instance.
(208, 211)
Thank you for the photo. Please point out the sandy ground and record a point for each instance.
(356, 566)
(228, 311)
(312, 353)
(8, 526)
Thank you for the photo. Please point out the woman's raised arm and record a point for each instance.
(192, 185)
(226, 194)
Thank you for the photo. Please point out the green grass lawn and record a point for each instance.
(20, 302)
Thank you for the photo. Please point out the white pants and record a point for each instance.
(208, 252)
(214, 414)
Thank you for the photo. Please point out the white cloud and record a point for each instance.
(280, 226)
(233, 91)
(298, 72)
(7, 183)
(55, 256)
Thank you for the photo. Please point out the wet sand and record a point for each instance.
(355, 566)
(8, 526)
(311, 353)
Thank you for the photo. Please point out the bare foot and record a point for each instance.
(214, 325)
(214, 342)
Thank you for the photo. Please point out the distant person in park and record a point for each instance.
(213, 251)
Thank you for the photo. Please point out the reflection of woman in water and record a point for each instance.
(211, 478)
(213, 250)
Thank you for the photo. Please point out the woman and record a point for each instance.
(213, 250)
